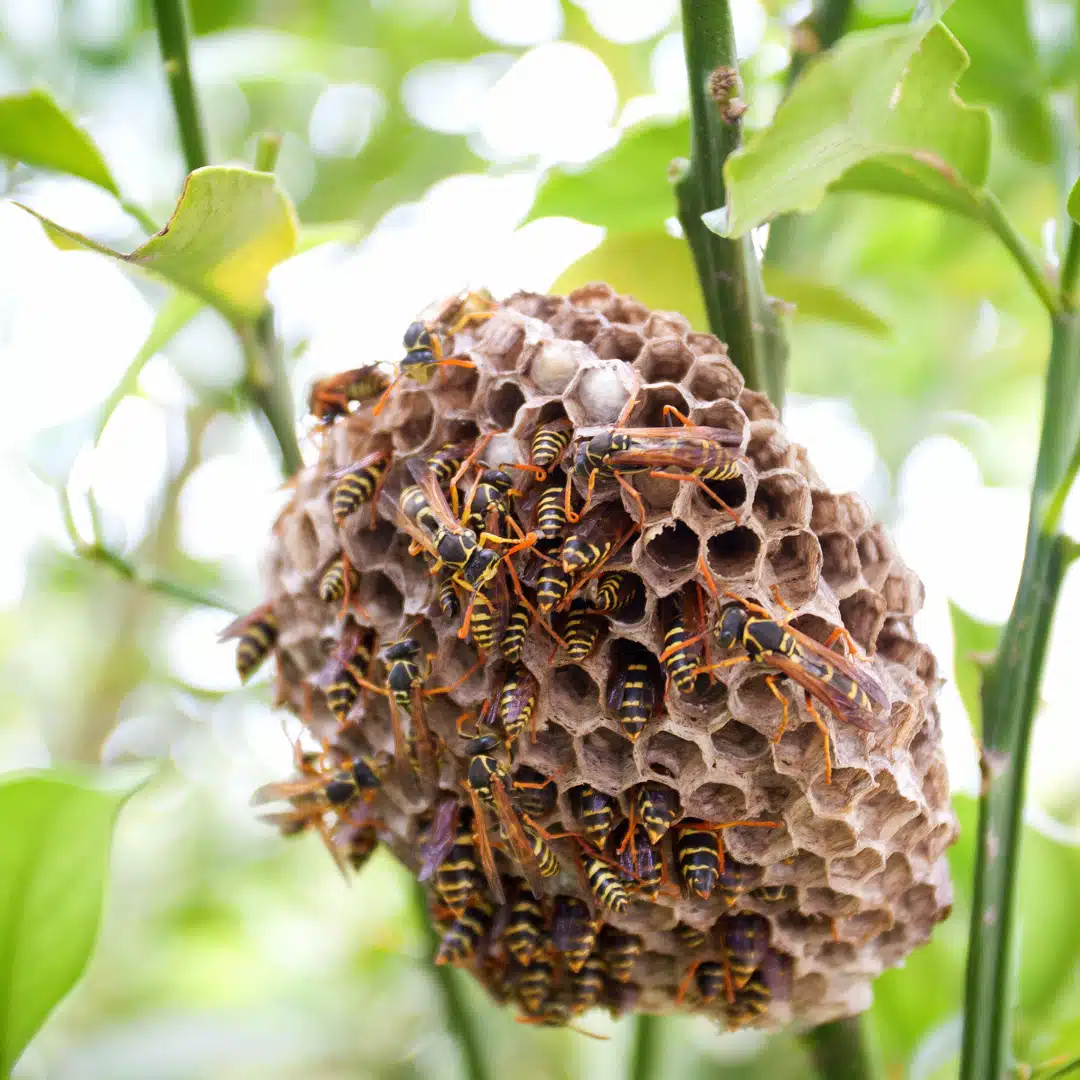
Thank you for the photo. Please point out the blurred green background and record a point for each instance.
(416, 133)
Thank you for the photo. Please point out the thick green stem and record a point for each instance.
(1025, 258)
(458, 1018)
(162, 586)
(727, 269)
(265, 384)
(1010, 697)
(645, 1052)
(1070, 270)
(172, 29)
(267, 148)
(819, 31)
(841, 1050)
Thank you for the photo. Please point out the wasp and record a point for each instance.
(446, 461)
(548, 443)
(552, 586)
(605, 885)
(746, 941)
(359, 485)
(331, 397)
(591, 543)
(639, 859)
(736, 880)
(656, 808)
(573, 931)
(486, 784)
(427, 343)
(359, 845)
(587, 984)
(703, 867)
(614, 590)
(459, 943)
(774, 894)
(690, 937)
(533, 984)
(524, 931)
(340, 678)
(458, 876)
(620, 951)
(848, 691)
(751, 1002)
(257, 632)
(534, 792)
(597, 813)
(680, 662)
(338, 581)
(512, 641)
(633, 694)
(706, 454)
(550, 514)
(582, 629)
(517, 703)
(448, 598)
(487, 500)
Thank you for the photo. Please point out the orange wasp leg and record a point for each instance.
(824, 728)
(477, 450)
(670, 410)
(457, 682)
(770, 682)
(690, 478)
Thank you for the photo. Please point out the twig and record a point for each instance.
(1022, 254)
(172, 29)
(1070, 270)
(645, 1052)
(265, 384)
(1010, 697)
(820, 30)
(841, 1050)
(727, 269)
(458, 1018)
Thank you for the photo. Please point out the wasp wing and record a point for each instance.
(440, 839)
(483, 844)
(365, 462)
(812, 676)
(857, 673)
(283, 790)
(240, 624)
(516, 837)
(721, 436)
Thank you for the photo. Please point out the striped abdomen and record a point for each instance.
(582, 630)
(611, 591)
(709, 978)
(573, 931)
(332, 584)
(621, 951)
(552, 585)
(255, 643)
(746, 939)
(458, 876)
(698, 854)
(605, 885)
(517, 627)
(466, 932)
(524, 928)
(597, 815)
(587, 984)
(680, 662)
(551, 513)
(657, 809)
(548, 445)
(356, 488)
(637, 699)
(534, 984)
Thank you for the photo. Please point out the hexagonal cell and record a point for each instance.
(716, 802)
(734, 553)
(578, 324)
(839, 560)
(664, 359)
(822, 900)
(737, 742)
(380, 597)
(724, 502)
(714, 377)
(670, 757)
(632, 609)
(757, 406)
(418, 418)
(782, 500)
(796, 562)
(617, 342)
(455, 659)
(903, 593)
(672, 551)
(722, 414)
(534, 305)
(852, 871)
(839, 797)
(455, 389)
(503, 401)
(750, 696)
(919, 904)
(598, 393)
(846, 513)
(866, 924)
(551, 365)
(574, 694)
(651, 402)
(822, 836)
(876, 556)
(603, 758)
(769, 447)
(595, 294)
(666, 325)
(836, 954)
(885, 810)
(757, 846)
(895, 642)
(301, 539)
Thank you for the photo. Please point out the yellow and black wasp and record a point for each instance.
(746, 941)
(525, 926)
(847, 690)
(620, 951)
(587, 984)
(573, 930)
(597, 813)
(257, 632)
(460, 941)
(549, 513)
(605, 884)
(640, 860)
(342, 677)
(632, 696)
(427, 342)
(331, 397)
(582, 629)
(358, 485)
(699, 853)
(549, 442)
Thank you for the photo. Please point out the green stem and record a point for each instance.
(162, 586)
(826, 23)
(1070, 270)
(458, 1017)
(841, 1050)
(727, 269)
(1010, 697)
(645, 1052)
(172, 29)
(1025, 258)
(267, 148)
(265, 384)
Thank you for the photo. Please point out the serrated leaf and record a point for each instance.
(36, 131)
(1074, 202)
(55, 833)
(888, 92)
(816, 300)
(230, 228)
(974, 643)
(625, 190)
(51, 453)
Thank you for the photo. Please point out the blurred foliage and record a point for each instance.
(227, 954)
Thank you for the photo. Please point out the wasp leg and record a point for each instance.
(770, 682)
(689, 478)
(816, 717)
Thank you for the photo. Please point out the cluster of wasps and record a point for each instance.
(517, 547)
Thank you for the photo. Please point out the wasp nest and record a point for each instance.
(604, 812)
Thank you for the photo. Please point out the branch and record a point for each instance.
(820, 30)
(645, 1052)
(1010, 697)
(265, 384)
(841, 1050)
(172, 29)
(1070, 270)
(727, 269)
(458, 1017)
(995, 217)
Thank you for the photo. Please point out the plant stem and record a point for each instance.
(1010, 696)
(458, 1017)
(172, 30)
(1070, 270)
(645, 1053)
(841, 1050)
(1025, 258)
(826, 24)
(267, 148)
(727, 269)
(265, 384)
(162, 586)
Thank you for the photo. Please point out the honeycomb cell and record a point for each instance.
(534, 305)
(617, 342)
(769, 447)
(795, 561)
(839, 797)
(839, 561)
(826, 837)
(714, 377)
(416, 428)
(602, 759)
(503, 401)
(716, 802)
(575, 697)
(598, 393)
(750, 696)
(739, 743)
(757, 406)
(651, 403)
(666, 325)
(672, 551)
(550, 366)
(379, 596)
(852, 871)
(876, 556)
(578, 324)
(664, 359)
(671, 758)
(782, 501)
(734, 553)
(847, 513)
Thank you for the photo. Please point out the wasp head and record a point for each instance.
(405, 649)
(732, 621)
(483, 744)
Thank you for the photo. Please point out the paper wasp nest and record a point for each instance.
(854, 877)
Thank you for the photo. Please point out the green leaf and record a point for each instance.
(1074, 202)
(884, 92)
(974, 644)
(55, 833)
(229, 229)
(816, 300)
(36, 131)
(625, 190)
